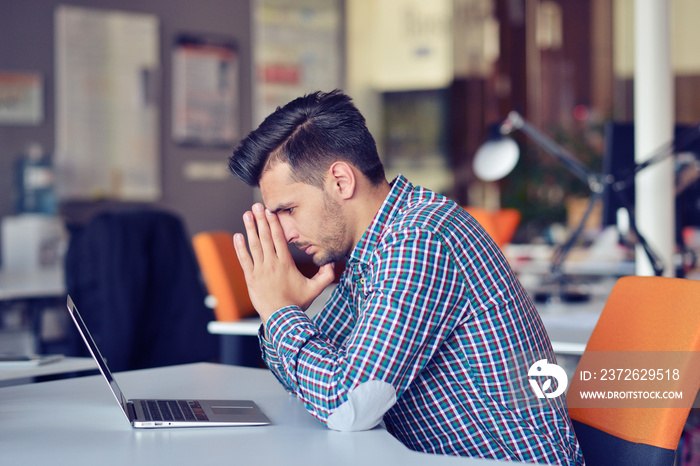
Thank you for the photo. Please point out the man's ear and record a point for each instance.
(342, 180)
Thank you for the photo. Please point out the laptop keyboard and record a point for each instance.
(173, 410)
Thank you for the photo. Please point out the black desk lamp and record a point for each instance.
(498, 157)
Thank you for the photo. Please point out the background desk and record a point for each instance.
(18, 375)
(32, 284)
(38, 289)
(250, 325)
(569, 325)
(77, 421)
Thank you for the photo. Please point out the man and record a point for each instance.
(423, 328)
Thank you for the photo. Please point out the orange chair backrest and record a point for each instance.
(507, 221)
(223, 275)
(486, 220)
(649, 314)
(499, 224)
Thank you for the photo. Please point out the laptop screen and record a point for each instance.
(101, 363)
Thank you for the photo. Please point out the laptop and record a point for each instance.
(171, 413)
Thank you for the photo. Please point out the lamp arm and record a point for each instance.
(654, 259)
(516, 122)
(563, 251)
(598, 183)
(660, 154)
(618, 187)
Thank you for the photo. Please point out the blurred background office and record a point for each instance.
(117, 105)
(430, 77)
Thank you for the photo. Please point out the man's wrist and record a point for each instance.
(266, 316)
(265, 321)
(279, 321)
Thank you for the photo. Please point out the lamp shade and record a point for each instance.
(495, 159)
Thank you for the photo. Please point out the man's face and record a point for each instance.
(311, 219)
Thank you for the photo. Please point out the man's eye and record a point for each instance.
(290, 210)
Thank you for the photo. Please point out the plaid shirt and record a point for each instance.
(429, 305)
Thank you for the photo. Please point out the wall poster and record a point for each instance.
(21, 98)
(296, 50)
(107, 109)
(205, 91)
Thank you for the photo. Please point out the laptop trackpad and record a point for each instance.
(234, 410)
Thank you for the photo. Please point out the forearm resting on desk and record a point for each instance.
(361, 410)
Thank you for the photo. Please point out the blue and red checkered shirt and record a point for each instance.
(428, 304)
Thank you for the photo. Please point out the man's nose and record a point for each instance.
(290, 233)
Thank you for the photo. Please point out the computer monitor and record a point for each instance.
(618, 160)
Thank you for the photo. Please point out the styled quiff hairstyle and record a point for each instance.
(310, 133)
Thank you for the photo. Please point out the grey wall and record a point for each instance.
(26, 44)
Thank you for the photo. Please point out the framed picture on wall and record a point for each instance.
(107, 122)
(206, 98)
(297, 49)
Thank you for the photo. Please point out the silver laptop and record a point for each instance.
(172, 413)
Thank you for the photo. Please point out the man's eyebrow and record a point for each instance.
(283, 206)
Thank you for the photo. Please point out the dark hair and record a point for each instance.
(309, 133)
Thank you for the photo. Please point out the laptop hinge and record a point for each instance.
(132, 411)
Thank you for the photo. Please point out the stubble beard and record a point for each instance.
(334, 231)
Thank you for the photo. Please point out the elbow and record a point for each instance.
(364, 408)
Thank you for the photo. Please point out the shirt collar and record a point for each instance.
(400, 190)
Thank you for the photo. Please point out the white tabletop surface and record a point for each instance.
(23, 372)
(78, 422)
(569, 325)
(250, 325)
(35, 283)
(569, 331)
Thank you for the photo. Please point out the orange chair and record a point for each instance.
(223, 275)
(500, 224)
(645, 319)
(507, 221)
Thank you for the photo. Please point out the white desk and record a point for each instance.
(569, 325)
(569, 330)
(580, 267)
(38, 283)
(536, 259)
(36, 287)
(250, 325)
(18, 375)
(78, 422)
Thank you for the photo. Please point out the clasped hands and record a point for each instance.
(272, 277)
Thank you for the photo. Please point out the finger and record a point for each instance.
(268, 247)
(324, 277)
(318, 283)
(242, 253)
(253, 239)
(278, 238)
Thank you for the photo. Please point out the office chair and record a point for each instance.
(225, 282)
(507, 221)
(643, 314)
(500, 224)
(135, 279)
(223, 275)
